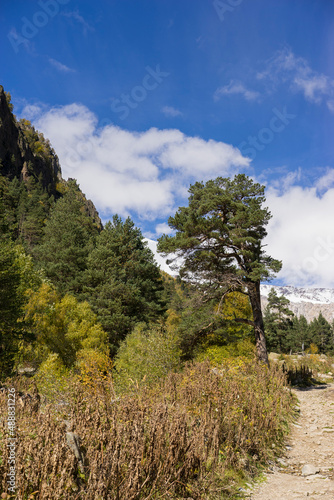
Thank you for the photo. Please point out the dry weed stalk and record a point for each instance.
(174, 440)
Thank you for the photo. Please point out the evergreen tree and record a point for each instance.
(10, 304)
(320, 333)
(219, 235)
(24, 208)
(278, 323)
(8, 207)
(299, 336)
(4, 212)
(124, 285)
(68, 238)
(33, 209)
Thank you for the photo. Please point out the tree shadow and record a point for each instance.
(310, 388)
(302, 378)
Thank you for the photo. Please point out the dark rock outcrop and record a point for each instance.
(16, 156)
(25, 153)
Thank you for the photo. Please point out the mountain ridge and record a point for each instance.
(301, 294)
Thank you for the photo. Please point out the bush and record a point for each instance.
(146, 355)
(317, 363)
(53, 380)
(218, 354)
(93, 369)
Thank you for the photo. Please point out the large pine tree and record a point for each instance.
(123, 283)
(68, 238)
(219, 236)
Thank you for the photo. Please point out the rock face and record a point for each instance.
(18, 159)
(16, 156)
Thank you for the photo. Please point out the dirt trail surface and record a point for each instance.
(307, 470)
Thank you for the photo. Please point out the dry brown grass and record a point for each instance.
(178, 439)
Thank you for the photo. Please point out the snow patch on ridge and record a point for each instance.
(297, 295)
(160, 260)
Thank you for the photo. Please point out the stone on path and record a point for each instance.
(310, 470)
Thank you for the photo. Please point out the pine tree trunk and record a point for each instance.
(260, 340)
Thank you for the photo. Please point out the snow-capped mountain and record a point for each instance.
(161, 261)
(308, 302)
(296, 295)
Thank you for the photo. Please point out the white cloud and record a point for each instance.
(301, 233)
(285, 67)
(236, 88)
(60, 67)
(171, 111)
(122, 171)
(31, 111)
(314, 87)
(326, 181)
(289, 179)
(163, 229)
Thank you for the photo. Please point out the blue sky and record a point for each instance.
(140, 99)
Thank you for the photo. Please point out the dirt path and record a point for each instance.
(311, 443)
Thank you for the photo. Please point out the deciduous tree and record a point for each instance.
(62, 326)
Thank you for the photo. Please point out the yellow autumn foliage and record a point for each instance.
(62, 326)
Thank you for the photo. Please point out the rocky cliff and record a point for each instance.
(26, 153)
(23, 151)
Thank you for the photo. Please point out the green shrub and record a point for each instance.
(146, 355)
(218, 354)
(53, 379)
